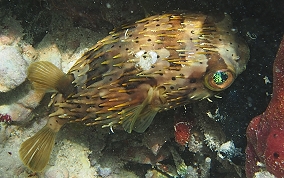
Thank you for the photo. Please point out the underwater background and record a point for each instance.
(61, 30)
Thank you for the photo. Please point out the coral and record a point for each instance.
(183, 125)
(182, 132)
(5, 118)
(265, 134)
(228, 150)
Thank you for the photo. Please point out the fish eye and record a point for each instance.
(219, 80)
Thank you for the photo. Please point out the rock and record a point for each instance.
(49, 52)
(11, 30)
(56, 172)
(12, 68)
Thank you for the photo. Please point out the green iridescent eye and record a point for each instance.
(219, 80)
(220, 77)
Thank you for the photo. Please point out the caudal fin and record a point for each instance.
(35, 152)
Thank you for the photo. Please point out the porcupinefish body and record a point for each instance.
(155, 64)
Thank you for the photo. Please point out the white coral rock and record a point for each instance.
(12, 68)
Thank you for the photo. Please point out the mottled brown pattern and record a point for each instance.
(187, 46)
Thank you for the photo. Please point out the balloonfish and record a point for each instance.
(155, 64)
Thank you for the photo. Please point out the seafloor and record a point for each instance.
(61, 30)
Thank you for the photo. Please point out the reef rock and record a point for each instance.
(12, 68)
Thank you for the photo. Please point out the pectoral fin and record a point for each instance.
(139, 117)
(144, 121)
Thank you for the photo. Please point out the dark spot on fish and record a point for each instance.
(126, 49)
(144, 29)
(136, 41)
(153, 66)
(231, 43)
(220, 39)
(140, 48)
(10, 153)
(149, 39)
(147, 22)
(173, 78)
(181, 75)
(137, 37)
(119, 46)
(87, 97)
(145, 52)
(157, 25)
(193, 89)
(130, 35)
(192, 80)
(110, 79)
(78, 106)
(56, 121)
(200, 62)
(190, 38)
(112, 46)
(172, 87)
(158, 56)
(192, 32)
(227, 50)
(161, 74)
(196, 50)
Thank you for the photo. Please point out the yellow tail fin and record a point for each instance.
(35, 151)
(46, 77)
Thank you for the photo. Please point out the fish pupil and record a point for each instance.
(220, 77)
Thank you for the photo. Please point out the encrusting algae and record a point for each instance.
(158, 63)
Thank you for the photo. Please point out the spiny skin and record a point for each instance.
(108, 81)
(158, 63)
(265, 133)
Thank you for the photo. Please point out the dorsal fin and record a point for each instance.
(46, 77)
